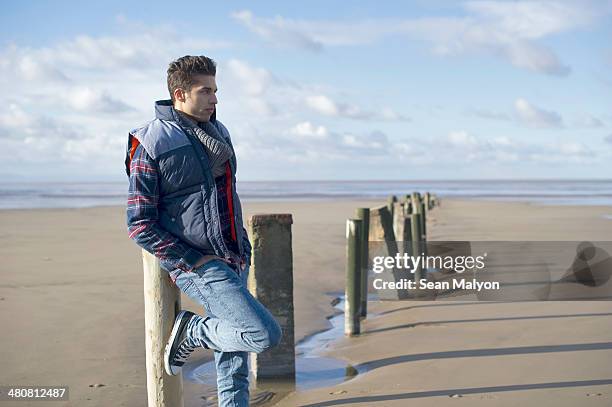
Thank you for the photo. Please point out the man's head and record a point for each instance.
(192, 86)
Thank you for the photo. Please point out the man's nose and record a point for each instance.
(214, 99)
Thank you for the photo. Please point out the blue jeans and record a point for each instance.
(235, 323)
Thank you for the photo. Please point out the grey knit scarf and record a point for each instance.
(218, 150)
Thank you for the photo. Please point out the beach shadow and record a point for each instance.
(461, 321)
(471, 353)
(459, 392)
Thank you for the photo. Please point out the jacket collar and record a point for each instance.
(165, 111)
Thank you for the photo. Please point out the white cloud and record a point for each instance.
(503, 141)
(29, 68)
(461, 139)
(488, 114)
(307, 129)
(528, 114)
(279, 31)
(534, 19)
(588, 121)
(323, 105)
(86, 99)
(535, 116)
(535, 58)
(20, 124)
(460, 146)
(326, 106)
(374, 143)
(572, 148)
(254, 81)
(391, 115)
(501, 29)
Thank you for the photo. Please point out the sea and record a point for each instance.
(546, 192)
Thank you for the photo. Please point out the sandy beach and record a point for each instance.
(71, 312)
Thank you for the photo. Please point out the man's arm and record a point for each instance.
(142, 216)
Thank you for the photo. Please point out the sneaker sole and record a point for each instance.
(179, 323)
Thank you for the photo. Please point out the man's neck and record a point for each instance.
(188, 117)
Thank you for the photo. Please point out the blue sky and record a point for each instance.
(320, 90)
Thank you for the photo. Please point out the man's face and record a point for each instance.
(200, 101)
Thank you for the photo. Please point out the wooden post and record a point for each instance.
(427, 200)
(271, 282)
(416, 238)
(416, 202)
(383, 243)
(352, 301)
(381, 229)
(364, 215)
(407, 208)
(391, 204)
(423, 213)
(398, 225)
(162, 302)
(402, 229)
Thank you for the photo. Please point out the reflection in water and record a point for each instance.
(312, 370)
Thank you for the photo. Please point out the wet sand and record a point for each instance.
(71, 311)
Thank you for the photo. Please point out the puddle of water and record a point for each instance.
(607, 216)
(312, 369)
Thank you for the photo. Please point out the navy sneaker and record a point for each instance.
(178, 347)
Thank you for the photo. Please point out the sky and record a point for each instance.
(317, 90)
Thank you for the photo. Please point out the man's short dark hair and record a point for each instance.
(181, 72)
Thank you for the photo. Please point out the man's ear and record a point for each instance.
(179, 95)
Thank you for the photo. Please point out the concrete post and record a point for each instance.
(364, 215)
(162, 302)
(271, 282)
(352, 300)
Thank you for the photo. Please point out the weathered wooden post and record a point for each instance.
(416, 238)
(398, 223)
(381, 229)
(423, 213)
(391, 204)
(383, 243)
(418, 206)
(415, 200)
(435, 202)
(427, 201)
(402, 228)
(271, 282)
(363, 214)
(352, 301)
(162, 302)
(407, 208)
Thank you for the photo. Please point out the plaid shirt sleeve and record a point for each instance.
(142, 216)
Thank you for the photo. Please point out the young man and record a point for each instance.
(183, 208)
